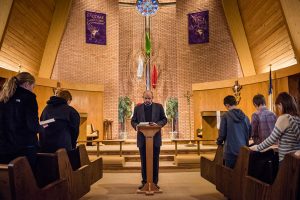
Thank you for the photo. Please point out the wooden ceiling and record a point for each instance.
(26, 34)
(267, 34)
(28, 25)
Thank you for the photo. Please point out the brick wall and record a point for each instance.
(179, 64)
(78, 61)
(132, 37)
(216, 60)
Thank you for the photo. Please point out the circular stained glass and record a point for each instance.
(147, 7)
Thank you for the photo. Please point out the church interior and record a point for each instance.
(190, 54)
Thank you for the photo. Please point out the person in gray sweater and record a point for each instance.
(234, 131)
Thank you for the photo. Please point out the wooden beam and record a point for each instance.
(281, 73)
(291, 10)
(57, 28)
(239, 37)
(5, 8)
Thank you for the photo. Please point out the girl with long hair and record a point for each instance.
(18, 119)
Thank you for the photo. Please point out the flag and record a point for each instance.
(154, 77)
(148, 44)
(140, 67)
(270, 91)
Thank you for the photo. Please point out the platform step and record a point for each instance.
(136, 158)
(162, 152)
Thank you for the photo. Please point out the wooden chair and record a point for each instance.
(92, 134)
(20, 183)
(286, 185)
(208, 167)
(96, 165)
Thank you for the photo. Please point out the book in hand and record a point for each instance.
(143, 123)
(46, 122)
(147, 123)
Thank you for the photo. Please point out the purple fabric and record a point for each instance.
(262, 122)
(95, 28)
(198, 27)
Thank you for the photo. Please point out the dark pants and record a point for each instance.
(156, 151)
(29, 152)
(230, 163)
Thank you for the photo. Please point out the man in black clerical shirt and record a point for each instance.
(153, 113)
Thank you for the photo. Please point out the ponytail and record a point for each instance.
(10, 86)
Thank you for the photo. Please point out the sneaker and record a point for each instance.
(157, 186)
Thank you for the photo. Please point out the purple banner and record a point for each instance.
(95, 28)
(198, 27)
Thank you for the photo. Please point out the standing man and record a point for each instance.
(262, 121)
(153, 113)
(234, 131)
(62, 133)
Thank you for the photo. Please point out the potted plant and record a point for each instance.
(172, 113)
(124, 112)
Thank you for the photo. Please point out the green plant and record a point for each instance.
(199, 130)
(172, 110)
(124, 110)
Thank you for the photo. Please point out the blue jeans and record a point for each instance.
(230, 163)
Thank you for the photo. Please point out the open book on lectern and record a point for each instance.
(147, 123)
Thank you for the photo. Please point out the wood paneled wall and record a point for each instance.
(26, 34)
(267, 34)
(86, 98)
(207, 98)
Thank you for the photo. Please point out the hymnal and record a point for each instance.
(48, 121)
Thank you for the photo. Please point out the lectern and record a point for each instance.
(149, 132)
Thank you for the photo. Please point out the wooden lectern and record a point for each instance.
(149, 131)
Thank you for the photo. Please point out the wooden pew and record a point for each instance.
(78, 179)
(96, 165)
(208, 167)
(286, 185)
(19, 183)
(4, 182)
(229, 181)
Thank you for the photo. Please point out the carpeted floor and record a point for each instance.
(175, 186)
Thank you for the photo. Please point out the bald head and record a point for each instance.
(148, 97)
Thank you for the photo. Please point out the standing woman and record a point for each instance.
(18, 119)
(287, 127)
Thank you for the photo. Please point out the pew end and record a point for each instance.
(230, 181)
(96, 165)
(208, 167)
(78, 180)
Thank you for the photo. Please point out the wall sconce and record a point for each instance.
(236, 91)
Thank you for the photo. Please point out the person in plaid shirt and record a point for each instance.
(262, 121)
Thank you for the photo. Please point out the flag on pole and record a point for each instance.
(148, 44)
(270, 92)
(140, 67)
(154, 77)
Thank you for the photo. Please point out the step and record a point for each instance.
(133, 141)
(162, 151)
(136, 158)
